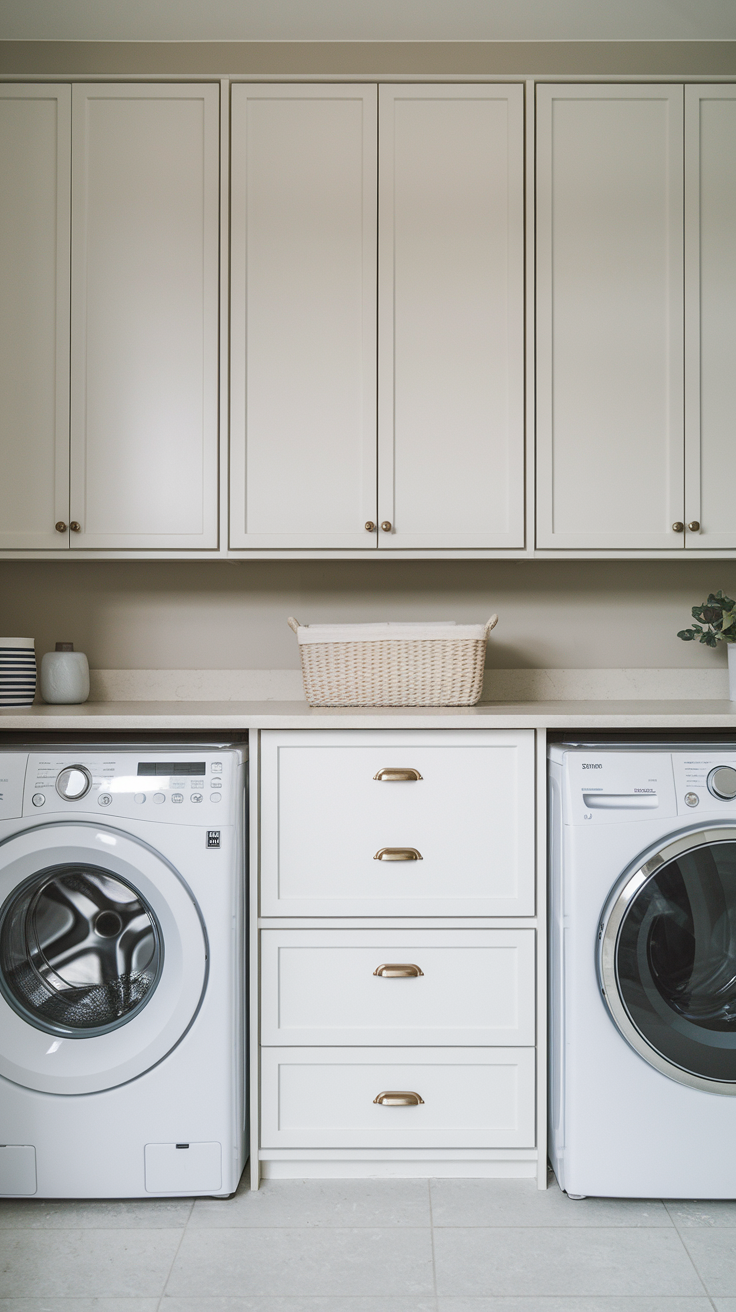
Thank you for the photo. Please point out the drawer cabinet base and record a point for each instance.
(398, 1165)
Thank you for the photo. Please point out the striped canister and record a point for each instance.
(17, 671)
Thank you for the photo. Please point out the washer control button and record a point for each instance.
(73, 782)
(38, 799)
(196, 797)
(722, 782)
(216, 767)
(140, 798)
(159, 798)
(177, 797)
(197, 783)
(104, 799)
(215, 797)
(215, 783)
(692, 799)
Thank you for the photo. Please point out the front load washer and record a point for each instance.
(643, 969)
(122, 970)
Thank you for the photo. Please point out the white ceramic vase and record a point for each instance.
(731, 649)
(64, 676)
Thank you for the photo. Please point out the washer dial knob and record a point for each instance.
(722, 782)
(75, 782)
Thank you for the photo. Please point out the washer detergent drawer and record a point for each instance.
(397, 1098)
(441, 987)
(397, 823)
(183, 1167)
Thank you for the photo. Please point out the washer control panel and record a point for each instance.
(705, 781)
(179, 787)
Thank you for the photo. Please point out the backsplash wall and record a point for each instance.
(217, 615)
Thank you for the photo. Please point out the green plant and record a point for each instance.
(719, 613)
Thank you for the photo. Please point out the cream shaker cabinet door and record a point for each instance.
(145, 316)
(710, 315)
(35, 160)
(610, 317)
(451, 316)
(303, 325)
(338, 840)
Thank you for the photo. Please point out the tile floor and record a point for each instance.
(370, 1246)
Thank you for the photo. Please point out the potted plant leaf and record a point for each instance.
(718, 615)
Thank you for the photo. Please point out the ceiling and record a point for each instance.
(367, 20)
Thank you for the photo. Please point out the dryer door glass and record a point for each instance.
(80, 950)
(675, 963)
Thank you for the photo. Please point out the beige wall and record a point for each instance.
(216, 615)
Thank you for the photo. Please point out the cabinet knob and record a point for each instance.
(386, 526)
(398, 854)
(60, 526)
(694, 526)
(75, 526)
(678, 526)
(370, 526)
(397, 774)
(398, 970)
(399, 1098)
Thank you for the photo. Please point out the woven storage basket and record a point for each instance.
(401, 671)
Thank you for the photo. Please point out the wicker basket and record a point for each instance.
(400, 671)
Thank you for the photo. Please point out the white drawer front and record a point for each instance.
(325, 817)
(320, 987)
(324, 1098)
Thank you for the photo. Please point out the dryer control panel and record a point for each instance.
(196, 788)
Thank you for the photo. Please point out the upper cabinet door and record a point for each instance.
(451, 316)
(145, 316)
(610, 316)
(303, 330)
(710, 321)
(35, 144)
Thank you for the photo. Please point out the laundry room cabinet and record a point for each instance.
(398, 209)
(398, 948)
(109, 260)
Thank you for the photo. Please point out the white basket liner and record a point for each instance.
(447, 631)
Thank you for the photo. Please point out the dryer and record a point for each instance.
(643, 968)
(122, 971)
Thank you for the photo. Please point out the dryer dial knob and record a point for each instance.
(73, 782)
(722, 782)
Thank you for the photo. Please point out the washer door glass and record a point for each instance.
(674, 960)
(80, 950)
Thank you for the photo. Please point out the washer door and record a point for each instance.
(667, 959)
(103, 958)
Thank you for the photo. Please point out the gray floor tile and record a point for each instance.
(724, 1304)
(603, 1303)
(716, 1214)
(79, 1304)
(240, 1262)
(277, 1304)
(564, 1262)
(714, 1256)
(87, 1263)
(521, 1203)
(380, 1204)
(95, 1214)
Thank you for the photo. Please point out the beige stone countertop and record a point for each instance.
(180, 716)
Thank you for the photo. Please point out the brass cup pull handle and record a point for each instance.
(398, 854)
(60, 526)
(398, 970)
(75, 526)
(399, 1098)
(397, 774)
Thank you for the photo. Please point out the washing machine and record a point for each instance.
(122, 1048)
(643, 968)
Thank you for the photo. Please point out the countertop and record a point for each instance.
(180, 716)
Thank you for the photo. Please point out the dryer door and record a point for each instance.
(667, 959)
(103, 958)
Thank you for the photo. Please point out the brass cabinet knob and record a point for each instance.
(398, 970)
(397, 774)
(694, 526)
(370, 526)
(386, 526)
(75, 526)
(678, 526)
(399, 1098)
(60, 526)
(398, 854)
